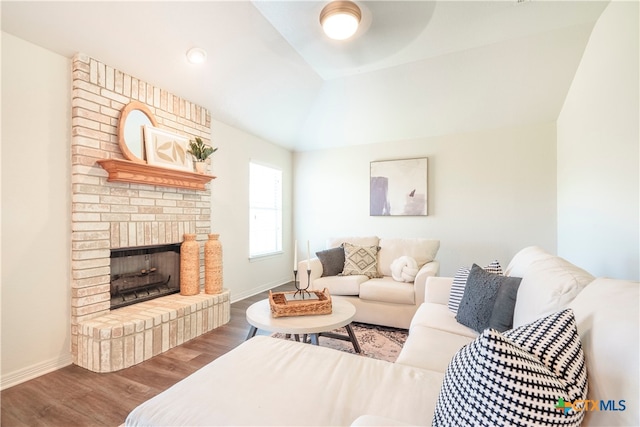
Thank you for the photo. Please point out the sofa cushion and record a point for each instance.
(422, 250)
(607, 313)
(340, 285)
(547, 286)
(438, 316)
(430, 348)
(504, 381)
(272, 382)
(374, 420)
(332, 261)
(387, 290)
(522, 260)
(460, 281)
(360, 260)
(334, 242)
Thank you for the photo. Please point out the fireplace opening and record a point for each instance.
(143, 273)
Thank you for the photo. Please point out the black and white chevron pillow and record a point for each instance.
(523, 377)
(460, 282)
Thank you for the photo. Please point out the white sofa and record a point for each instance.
(382, 300)
(607, 315)
(267, 381)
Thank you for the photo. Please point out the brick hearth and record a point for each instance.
(108, 215)
(132, 334)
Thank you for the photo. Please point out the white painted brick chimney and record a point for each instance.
(108, 215)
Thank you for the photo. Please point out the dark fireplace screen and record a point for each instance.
(144, 273)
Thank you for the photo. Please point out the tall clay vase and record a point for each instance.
(189, 266)
(213, 265)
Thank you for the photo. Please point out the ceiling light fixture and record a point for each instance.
(340, 19)
(196, 55)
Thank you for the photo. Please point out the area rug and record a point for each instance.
(376, 342)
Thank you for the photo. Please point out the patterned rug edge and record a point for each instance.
(376, 342)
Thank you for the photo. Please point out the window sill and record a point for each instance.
(256, 258)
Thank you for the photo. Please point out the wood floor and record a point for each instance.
(74, 396)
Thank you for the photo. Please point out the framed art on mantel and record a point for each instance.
(167, 149)
(398, 187)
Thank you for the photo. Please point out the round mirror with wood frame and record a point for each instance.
(133, 117)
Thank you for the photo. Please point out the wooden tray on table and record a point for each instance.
(282, 305)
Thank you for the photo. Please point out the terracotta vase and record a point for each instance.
(213, 265)
(189, 266)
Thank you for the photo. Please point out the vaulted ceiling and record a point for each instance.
(414, 69)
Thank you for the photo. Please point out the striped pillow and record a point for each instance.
(460, 281)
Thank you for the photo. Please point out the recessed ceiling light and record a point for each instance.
(196, 55)
(340, 19)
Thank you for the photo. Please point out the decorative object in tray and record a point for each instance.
(289, 304)
(302, 293)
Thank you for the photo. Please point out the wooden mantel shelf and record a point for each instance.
(142, 173)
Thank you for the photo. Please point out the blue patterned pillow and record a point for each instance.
(480, 294)
(460, 281)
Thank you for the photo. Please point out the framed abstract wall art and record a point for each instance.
(167, 149)
(398, 187)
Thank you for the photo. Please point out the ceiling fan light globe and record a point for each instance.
(340, 19)
(340, 26)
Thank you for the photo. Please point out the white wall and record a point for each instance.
(230, 210)
(598, 156)
(36, 203)
(490, 194)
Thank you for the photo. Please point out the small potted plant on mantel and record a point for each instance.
(200, 152)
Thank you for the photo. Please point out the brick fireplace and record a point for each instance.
(111, 215)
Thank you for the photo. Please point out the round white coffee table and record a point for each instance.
(259, 317)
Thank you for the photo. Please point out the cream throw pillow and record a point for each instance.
(360, 260)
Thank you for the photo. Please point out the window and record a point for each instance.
(265, 210)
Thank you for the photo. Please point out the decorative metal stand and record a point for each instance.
(301, 291)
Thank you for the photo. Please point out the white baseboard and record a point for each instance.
(25, 374)
(257, 290)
